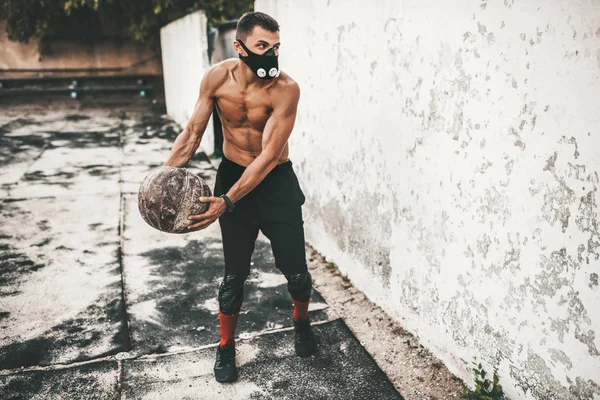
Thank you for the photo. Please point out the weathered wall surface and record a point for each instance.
(185, 60)
(450, 154)
(117, 56)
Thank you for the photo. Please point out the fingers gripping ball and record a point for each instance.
(169, 195)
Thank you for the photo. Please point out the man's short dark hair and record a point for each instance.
(250, 20)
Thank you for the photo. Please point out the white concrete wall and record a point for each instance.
(450, 154)
(185, 60)
(224, 46)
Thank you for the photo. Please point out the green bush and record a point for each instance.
(484, 388)
(26, 19)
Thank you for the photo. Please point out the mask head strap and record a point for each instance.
(270, 52)
(244, 46)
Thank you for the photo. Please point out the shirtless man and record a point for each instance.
(256, 187)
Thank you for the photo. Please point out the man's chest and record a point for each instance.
(242, 107)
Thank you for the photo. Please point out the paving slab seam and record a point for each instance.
(56, 367)
(122, 150)
(124, 356)
(15, 199)
(214, 345)
(129, 344)
(121, 229)
(119, 390)
(68, 196)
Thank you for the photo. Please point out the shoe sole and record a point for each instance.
(226, 380)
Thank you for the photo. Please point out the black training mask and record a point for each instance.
(264, 66)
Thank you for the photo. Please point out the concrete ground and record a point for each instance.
(96, 304)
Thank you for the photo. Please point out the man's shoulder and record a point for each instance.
(287, 81)
(225, 65)
(218, 73)
(287, 86)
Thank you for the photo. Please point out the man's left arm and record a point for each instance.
(275, 136)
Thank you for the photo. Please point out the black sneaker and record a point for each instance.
(305, 342)
(225, 369)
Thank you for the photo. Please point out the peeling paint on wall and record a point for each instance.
(450, 156)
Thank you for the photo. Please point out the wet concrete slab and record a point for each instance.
(96, 381)
(171, 283)
(71, 155)
(268, 369)
(60, 287)
(44, 179)
(19, 150)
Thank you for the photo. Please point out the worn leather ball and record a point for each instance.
(169, 195)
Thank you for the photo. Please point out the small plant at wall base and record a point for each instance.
(331, 266)
(484, 388)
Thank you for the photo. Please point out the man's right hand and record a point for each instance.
(216, 208)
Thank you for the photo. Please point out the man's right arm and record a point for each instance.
(188, 141)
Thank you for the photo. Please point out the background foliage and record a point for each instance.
(139, 19)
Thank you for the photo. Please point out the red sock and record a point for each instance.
(227, 325)
(300, 309)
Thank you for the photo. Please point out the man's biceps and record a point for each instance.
(286, 110)
(283, 118)
(204, 107)
(205, 98)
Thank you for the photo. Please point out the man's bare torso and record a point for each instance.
(257, 115)
(244, 111)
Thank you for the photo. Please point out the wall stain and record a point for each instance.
(536, 378)
(593, 280)
(557, 200)
(573, 141)
(353, 228)
(557, 355)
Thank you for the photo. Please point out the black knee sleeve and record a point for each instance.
(231, 294)
(300, 286)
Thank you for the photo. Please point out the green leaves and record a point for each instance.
(484, 388)
(26, 19)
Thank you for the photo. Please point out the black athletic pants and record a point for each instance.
(274, 207)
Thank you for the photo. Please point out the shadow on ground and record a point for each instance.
(269, 369)
(97, 381)
(179, 305)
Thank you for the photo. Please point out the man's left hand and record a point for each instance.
(216, 208)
